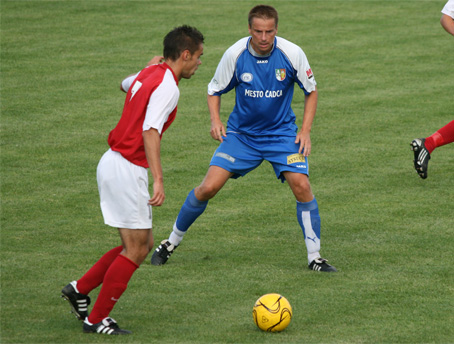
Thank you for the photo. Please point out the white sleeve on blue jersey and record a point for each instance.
(448, 9)
(226, 67)
(225, 70)
(300, 63)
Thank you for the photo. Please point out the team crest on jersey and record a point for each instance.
(246, 77)
(280, 74)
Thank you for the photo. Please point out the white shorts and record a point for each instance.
(123, 188)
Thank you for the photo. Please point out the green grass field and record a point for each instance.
(385, 76)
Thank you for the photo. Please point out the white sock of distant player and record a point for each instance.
(309, 220)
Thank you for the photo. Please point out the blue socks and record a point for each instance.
(307, 214)
(309, 220)
(191, 209)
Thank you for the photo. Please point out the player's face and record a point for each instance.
(192, 63)
(263, 32)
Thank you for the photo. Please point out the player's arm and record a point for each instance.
(304, 135)
(217, 128)
(152, 143)
(126, 83)
(155, 60)
(223, 81)
(306, 81)
(448, 23)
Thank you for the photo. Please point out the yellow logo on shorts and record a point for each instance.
(291, 159)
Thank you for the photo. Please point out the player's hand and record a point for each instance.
(155, 60)
(217, 131)
(158, 195)
(304, 139)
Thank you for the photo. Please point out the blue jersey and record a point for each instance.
(264, 86)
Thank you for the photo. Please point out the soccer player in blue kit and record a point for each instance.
(263, 69)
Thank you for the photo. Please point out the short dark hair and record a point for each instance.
(180, 39)
(263, 12)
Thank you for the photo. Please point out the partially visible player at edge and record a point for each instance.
(447, 17)
(135, 144)
(263, 69)
(424, 147)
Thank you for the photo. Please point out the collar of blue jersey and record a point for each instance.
(254, 53)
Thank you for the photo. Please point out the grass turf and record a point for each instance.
(382, 69)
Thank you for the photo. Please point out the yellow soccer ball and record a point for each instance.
(272, 312)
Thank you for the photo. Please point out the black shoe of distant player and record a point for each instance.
(320, 264)
(79, 302)
(422, 157)
(162, 253)
(106, 326)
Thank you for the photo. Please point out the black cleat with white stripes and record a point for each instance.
(422, 157)
(79, 302)
(106, 326)
(320, 264)
(162, 253)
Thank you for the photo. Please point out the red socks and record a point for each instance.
(114, 284)
(94, 277)
(441, 137)
(114, 271)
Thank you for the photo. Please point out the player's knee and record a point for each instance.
(143, 253)
(206, 191)
(138, 254)
(303, 191)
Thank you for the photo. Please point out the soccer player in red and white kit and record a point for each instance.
(150, 107)
(424, 147)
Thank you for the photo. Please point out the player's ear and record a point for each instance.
(186, 55)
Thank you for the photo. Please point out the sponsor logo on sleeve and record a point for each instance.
(309, 73)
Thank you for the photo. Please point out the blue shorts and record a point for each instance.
(240, 154)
